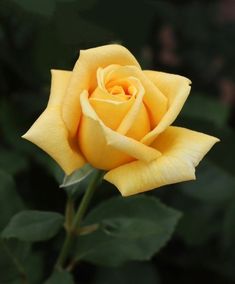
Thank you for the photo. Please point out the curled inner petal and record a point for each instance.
(154, 100)
(118, 101)
(134, 111)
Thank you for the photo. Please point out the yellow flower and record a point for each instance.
(114, 115)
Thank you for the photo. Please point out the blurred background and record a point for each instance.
(191, 38)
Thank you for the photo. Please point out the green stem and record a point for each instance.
(69, 213)
(71, 232)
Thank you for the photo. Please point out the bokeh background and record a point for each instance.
(192, 38)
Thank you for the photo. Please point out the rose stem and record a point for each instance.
(71, 230)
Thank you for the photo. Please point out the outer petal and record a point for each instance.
(105, 148)
(176, 88)
(84, 77)
(49, 131)
(182, 150)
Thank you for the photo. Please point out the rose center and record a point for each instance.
(115, 90)
(121, 89)
(118, 101)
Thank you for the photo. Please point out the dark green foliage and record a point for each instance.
(33, 226)
(12, 254)
(133, 228)
(36, 36)
(10, 201)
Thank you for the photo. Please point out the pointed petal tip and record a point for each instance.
(26, 136)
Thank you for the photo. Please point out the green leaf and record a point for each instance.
(60, 277)
(213, 184)
(133, 228)
(10, 201)
(77, 176)
(34, 226)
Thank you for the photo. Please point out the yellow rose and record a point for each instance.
(112, 114)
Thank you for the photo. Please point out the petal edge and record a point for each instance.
(176, 164)
(49, 132)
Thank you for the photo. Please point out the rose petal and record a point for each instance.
(182, 150)
(140, 126)
(132, 114)
(105, 148)
(49, 131)
(126, 108)
(176, 88)
(102, 94)
(111, 112)
(84, 78)
(154, 99)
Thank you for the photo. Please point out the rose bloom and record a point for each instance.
(110, 113)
